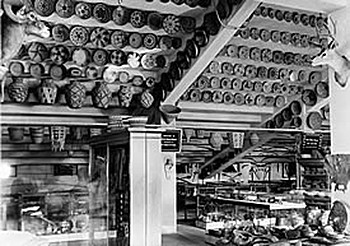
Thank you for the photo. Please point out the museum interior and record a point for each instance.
(174, 122)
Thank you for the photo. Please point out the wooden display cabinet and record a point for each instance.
(109, 189)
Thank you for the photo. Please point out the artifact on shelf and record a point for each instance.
(75, 94)
(16, 133)
(47, 92)
(37, 134)
(58, 137)
(101, 95)
(17, 90)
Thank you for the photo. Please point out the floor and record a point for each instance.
(188, 236)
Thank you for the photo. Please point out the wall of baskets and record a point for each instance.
(268, 64)
(106, 55)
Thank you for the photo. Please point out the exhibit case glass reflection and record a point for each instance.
(109, 190)
(65, 204)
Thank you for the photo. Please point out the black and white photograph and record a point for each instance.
(175, 123)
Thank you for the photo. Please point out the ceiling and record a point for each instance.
(215, 105)
(243, 67)
(218, 30)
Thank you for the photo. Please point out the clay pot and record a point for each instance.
(47, 92)
(16, 133)
(75, 94)
(37, 134)
(18, 91)
(101, 95)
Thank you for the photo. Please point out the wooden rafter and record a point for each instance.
(319, 104)
(214, 158)
(218, 43)
(224, 108)
(271, 117)
(264, 139)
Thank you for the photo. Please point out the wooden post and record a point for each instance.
(169, 194)
(146, 171)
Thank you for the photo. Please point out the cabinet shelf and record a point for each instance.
(316, 176)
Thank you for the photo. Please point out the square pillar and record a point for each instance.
(146, 175)
(169, 215)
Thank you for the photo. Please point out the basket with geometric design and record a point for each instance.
(75, 94)
(47, 92)
(18, 91)
(58, 137)
(236, 140)
(101, 95)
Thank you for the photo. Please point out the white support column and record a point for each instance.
(169, 194)
(146, 171)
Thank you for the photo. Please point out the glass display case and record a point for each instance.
(109, 190)
(76, 200)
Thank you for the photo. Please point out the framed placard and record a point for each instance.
(171, 140)
(310, 142)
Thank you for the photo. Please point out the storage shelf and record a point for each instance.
(69, 237)
(315, 175)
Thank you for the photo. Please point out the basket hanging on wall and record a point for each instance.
(58, 137)
(37, 134)
(236, 140)
(16, 133)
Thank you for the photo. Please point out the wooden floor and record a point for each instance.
(187, 236)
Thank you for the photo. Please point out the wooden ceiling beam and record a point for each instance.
(319, 105)
(264, 138)
(45, 161)
(220, 117)
(42, 154)
(217, 126)
(214, 158)
(56, 115)
(224, 108)
(21, 147)
(216, 45)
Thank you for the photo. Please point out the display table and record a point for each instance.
(266, 205)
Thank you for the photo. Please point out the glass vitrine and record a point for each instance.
(109, 190)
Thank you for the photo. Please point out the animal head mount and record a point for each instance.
(338, 168)
(339, 63)
(329, 55)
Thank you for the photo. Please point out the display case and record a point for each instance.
(315, 179)
(109, 190)
(85, 207)
(54, 209)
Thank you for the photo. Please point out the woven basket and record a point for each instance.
(58, 137)
(101, 95)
